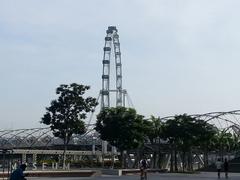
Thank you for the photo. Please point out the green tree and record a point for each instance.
(185, 132)
(121, 127)
(225, 142)
(172, 133)
(65, 115)
(154, 132)
(205, 137)
(154, 129)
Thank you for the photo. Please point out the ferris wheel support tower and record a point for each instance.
(112, 45)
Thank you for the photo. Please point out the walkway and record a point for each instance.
(164, 176)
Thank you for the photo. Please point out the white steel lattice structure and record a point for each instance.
(229, 120)
(42, 137)
(112, 48)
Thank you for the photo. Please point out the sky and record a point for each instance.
(178, 56)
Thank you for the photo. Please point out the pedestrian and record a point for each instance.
(143, 169)
(18, 173)
(226, 167)
(218, 166)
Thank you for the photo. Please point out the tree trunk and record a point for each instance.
(221, 152)
(64, 154)
(190, 160)
(171, 161)
(103, 160)
(205, 157)
(154, 159)
(113, 156)
(123, 159)
(175, 160)
(113, 161)
(183, 161)
(159, 155)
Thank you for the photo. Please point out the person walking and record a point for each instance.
(226, 167)
(218, 166)
(143, 169)
(18, 173)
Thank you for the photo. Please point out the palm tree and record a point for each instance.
(154, 134)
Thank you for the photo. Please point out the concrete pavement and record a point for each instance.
(155, 176)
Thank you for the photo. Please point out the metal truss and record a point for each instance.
(226, 121)
(42, 137)
(57, 152)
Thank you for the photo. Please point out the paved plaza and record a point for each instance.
(156, 176)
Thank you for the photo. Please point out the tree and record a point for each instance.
(65, 115)
(172, 133)
(154, 128)
(121, 127)
(185, 132)
(154, 132)
(205, 137)
(224, 142)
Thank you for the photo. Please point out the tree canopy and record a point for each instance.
(154, 129)
(121, 127)
(65, 115)
(187, 131)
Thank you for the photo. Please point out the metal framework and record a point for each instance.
(229, 120)
(112, 45)
(42, 137)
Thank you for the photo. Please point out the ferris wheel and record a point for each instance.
(112, 52)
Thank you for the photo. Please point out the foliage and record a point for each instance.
(66, 113)
(225, 141)
(187, 131)
(121, 127)
(154, 128)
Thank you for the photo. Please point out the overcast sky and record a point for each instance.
(178, 56)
